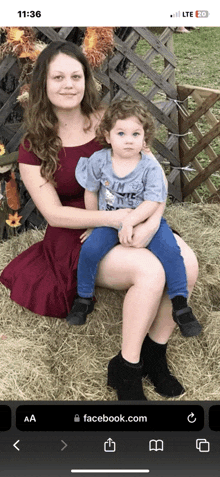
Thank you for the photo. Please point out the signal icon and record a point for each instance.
(175, 15)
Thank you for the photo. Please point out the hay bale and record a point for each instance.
(43, 359)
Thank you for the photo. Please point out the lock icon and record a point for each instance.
(76, 418)
(109, 445)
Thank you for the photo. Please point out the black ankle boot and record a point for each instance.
(81, 308)
(126, 378)
(155, 368)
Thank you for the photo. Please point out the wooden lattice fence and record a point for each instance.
(148, 76)
(199, 123)
(119, 75)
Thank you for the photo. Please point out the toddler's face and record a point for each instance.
(126, 137)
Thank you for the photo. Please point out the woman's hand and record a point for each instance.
(116, 217)
(85, 235)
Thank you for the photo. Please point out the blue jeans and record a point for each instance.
(163, 245)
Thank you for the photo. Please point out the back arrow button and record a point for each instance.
(14, 445)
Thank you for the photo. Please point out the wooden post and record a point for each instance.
(175, 176)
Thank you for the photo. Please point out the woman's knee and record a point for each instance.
(149, 270)
(192, 271)
(124, 267)
(191, 262)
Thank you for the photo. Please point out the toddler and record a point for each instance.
(122, 176)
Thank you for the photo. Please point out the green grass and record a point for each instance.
(198, 57)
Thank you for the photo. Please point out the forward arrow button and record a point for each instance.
(65, 445)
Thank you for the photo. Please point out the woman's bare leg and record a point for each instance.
(141, 273)
(163, 325)
(140, 307)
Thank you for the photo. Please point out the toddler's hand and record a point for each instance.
(125, 234)
(85, 235)
(143, 234)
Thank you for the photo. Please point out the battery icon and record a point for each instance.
(202, 13)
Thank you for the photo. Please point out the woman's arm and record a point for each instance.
(91, 203)
(48, 203)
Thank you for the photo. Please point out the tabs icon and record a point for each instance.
(202, 445)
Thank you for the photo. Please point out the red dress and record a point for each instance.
(43, 277)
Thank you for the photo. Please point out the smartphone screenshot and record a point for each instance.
(109, 178)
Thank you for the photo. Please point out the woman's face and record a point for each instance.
(65, 82)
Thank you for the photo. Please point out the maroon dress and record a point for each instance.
(43, 277)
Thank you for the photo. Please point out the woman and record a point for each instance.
(61, 119)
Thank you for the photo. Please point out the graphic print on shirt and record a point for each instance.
(116, 198)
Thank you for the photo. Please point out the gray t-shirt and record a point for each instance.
(145, 182)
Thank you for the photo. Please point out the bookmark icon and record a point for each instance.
(156, 445)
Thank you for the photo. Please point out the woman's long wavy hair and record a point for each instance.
(40, 121)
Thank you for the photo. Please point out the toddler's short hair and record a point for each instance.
(124, 109)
